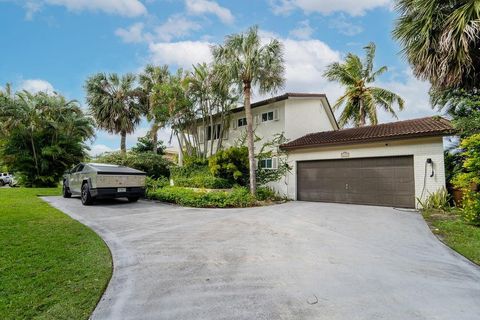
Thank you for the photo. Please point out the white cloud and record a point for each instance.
(344, 26)
(132, 34)
(182, 54)
(36, 85)
(303, 31)
(31, 8)
(305, 62)
(175, 27)
(352, 7)
(98, 149)
(127, 8)
(200, 7)
(415, 94)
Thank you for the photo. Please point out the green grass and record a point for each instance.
(457, 234)
(51, 266)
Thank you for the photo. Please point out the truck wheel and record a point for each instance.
(66, 191)
(133, 199)
(87, 198)
(2, 183)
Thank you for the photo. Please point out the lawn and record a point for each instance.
(460, 236)
(51, 266)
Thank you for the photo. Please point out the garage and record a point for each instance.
(383, 181)
(391, 164)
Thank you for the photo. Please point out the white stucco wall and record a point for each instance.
(420, 148)
(296, 117)
(264, 130)
(306, 115)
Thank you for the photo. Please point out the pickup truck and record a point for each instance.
(93, 181)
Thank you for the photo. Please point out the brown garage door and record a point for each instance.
(386, 181)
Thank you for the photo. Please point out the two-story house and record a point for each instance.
(293, 114)
(390, 164)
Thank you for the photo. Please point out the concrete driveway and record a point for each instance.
(298, 260)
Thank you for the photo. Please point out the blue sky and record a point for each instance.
(56, 44)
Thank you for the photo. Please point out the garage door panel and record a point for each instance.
(386, 181)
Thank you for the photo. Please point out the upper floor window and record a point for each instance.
(215, 133)
(241, 122)
(267, 116)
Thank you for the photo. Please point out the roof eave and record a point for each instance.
(362, 141)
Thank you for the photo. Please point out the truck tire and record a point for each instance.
(66, 191)
(2, 183)
(86, 197)
(133, 199)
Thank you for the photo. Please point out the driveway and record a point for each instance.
(298, 260)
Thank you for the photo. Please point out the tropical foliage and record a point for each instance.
(42, 135)
(463, 106)
(243, 61)
(237, 198)
(152, 76)
(231, 164)
(469, 179)
(440, 40)
(155, 165)
(149, 144)
(197, 175)
(361, 99)
(114, 102)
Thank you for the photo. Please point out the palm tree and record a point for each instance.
(360, 101)
(114, 103)
(244, 61)
(151, 76)
(440, 40)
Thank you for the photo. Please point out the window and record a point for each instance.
(216, 132)
(241, 122)
(267, 116)
(266, 163)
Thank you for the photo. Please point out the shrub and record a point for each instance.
(470, 178)
(202, 181)
(265, 193)
(439, 200)
(154, 165)
(189, 171)
(231, 164)
(153, 184)
(239, 197)
(197, 176)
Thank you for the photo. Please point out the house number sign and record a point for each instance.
(345, 154)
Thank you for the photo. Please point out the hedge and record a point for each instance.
(239, 197)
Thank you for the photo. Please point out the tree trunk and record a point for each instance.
(123, 142)
(212, 131)
(180, 151)
(250, 141)
(35, 156)
(155, 137)
(362, 115)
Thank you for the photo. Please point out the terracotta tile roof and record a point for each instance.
(423, 127)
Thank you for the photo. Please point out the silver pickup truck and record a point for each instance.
(99, 181)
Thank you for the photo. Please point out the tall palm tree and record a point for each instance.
(114, 103)
(440, 40)
(244, 61)
(360, 100)
(151, 76)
